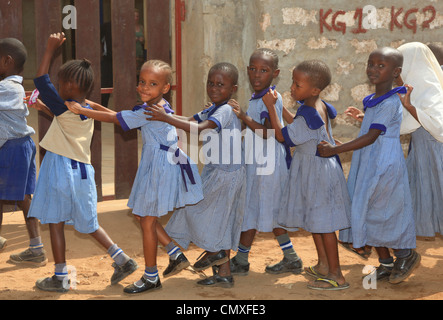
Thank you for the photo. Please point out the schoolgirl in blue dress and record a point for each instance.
(382, 214)
(214, 224)
(166, 178)
(315, 197)
(265, 175)
(65, 191)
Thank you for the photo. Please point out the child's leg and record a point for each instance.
(383, 272)
(150, 240)
(222, 277)
(58, 282)
(58, 243)
(35, 254)
(244, 247)
(327, 246)
(322, 267)
(224, 269)
(384, 257)
(331, 249)
(123, 265)
(32, 224)
(166, 241)
(150, 279)
(114, 251)
(291, 261)
(33, 227)
(177, 260)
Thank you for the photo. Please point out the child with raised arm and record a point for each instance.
(17, 149)
(214, 224)
(166, 179)
(66, 192)
(315, 197)
(381, 214)
(265, 179)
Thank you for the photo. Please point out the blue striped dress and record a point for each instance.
(378, 183)
(315, 197)
(214, 223)
(166, 178)
(267, 171)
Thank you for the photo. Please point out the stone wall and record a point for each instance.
(341, 33)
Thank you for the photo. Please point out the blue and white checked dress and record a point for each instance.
(315, 197)
(378, 184)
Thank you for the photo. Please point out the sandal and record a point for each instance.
(333, 285)
(363, 253)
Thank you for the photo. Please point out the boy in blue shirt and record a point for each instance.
(17, 150)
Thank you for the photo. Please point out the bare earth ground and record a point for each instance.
(93, 267)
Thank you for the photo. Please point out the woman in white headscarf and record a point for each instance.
(423, 119)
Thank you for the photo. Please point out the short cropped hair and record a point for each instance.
(14, 48)
(159, 64)
(318, 72)
(227, 67)
(266, 52)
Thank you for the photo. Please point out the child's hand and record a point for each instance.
(157, 113)
(55, 41)
(325, 149)
(236, 108)
(270, 98)
(74, 107)
(37, 105)
(355, 113)
(406, 98)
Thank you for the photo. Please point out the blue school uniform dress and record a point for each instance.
(65, 190)
(17, 149)
(425, 172)
(266, 170)
(315, 197)
(166, 178)
(214, 223)
(378, 182)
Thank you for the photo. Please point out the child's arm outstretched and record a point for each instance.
(325, 149)
(40, 106)
(157, 113)
(269, 100)
(99, 113)
(258, 128)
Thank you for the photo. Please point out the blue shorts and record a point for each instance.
(17, 169)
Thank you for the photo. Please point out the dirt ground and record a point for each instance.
(93, 268)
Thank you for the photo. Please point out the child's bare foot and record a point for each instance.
(328, 284)
(316, 271)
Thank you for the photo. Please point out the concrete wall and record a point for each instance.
(230, 30)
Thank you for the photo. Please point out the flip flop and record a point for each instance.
(334, 285)
(311, 272)
(348, 246)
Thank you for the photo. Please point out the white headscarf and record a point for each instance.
(422, 71)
